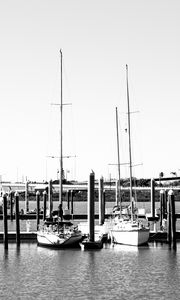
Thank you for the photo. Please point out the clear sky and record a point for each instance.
(98, 38)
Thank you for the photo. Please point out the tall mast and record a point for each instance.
(119, 177)
(129, 135)
(61, 137)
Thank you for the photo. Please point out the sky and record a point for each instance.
(98, 38)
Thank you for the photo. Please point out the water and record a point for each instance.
(119, 272)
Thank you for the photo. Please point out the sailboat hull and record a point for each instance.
(134, 237)
(54, 240)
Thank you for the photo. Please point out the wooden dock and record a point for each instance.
(159, 236)
(24, 236)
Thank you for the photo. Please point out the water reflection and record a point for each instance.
(5, 254)
(163, 245)
(127, 248)
(111, 273)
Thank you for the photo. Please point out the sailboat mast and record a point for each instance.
(129, 135)
(119, 177)
(61, 137)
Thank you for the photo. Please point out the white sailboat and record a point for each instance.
(58, 234)
(55, 232)
(129, 230)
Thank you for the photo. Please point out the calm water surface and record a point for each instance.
(119, 272)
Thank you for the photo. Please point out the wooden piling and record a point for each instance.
(104, 205)
(60, 211)
(161, 206)
(172, 218)
(11, 205)
(152, 198)
(68, 198)
(101, 206)
(50, 198)
(165, 204)
(5, 221)
(72, 208)
(169, 238)
(17, 218)
(44, 205)
(38, 206)
(26, 198)
(91, 207)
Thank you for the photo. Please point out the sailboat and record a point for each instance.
(55, 232)
(58, 234)
(129, 230)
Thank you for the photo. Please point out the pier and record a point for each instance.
(24, 236)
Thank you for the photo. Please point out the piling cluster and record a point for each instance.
(11, 216)
(167, 213)
(15, 213)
